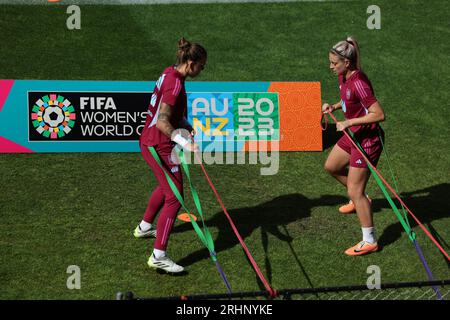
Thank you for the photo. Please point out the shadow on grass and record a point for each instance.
(172, 274)
(428, 205)
(330, 136)
(269, 217)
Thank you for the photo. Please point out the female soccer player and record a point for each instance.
(166, 114)
(362, 115)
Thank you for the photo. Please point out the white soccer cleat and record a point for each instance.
(138, 233)
(164, 263)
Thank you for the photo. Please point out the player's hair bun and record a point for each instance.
(189, 51)
(183, 44)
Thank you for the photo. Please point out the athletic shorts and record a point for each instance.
(372, 146)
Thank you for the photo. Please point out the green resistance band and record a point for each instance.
(393, 175)
(205, 236)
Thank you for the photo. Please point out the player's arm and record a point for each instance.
(163, 122)
(375, 114)
(337, 106)
(331, 107)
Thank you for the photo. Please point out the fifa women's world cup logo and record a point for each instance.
(53, 116)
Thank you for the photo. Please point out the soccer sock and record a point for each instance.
(145, 226)
(159, 253)
(369, 234)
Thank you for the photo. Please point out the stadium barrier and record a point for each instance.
(389, 291)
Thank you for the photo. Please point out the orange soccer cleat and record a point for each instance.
(350, 206)
(362, 248)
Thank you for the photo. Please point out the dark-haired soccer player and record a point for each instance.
(167, 112)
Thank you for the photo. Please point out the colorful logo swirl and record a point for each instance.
(53, 116)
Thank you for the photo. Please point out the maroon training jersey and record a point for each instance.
(356, 97)
(168, 89)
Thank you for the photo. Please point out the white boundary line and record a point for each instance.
(148, 2)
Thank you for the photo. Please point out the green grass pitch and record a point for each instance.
(52, 217)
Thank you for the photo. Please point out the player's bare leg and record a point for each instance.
(356, 184)
(337, 163)
(357, 181)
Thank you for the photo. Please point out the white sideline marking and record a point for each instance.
(128, 2)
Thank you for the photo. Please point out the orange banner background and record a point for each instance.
(300, 115)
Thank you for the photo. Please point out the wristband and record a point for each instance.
(180, 140)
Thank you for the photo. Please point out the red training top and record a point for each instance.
(356, 97)
(168, 89)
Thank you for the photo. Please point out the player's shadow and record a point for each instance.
(330, 136)
(428, 205)
(269, 217)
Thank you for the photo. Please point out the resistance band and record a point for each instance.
(272, 292)
(205, 235)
